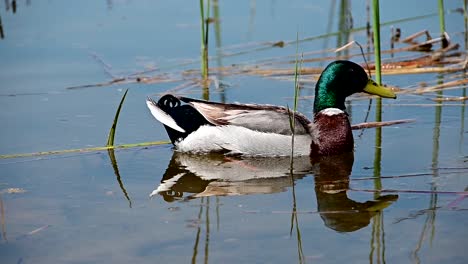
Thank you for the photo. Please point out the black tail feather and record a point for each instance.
(185, 116)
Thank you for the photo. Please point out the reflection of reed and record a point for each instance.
(217, 213)
(197, 237)
(436, 135)
(2, 35)
(377, 239)
(378, 157)
(207, 229)
(205, 203)
(2, 211)
(462, 115)
(295, 222)
(117, 175)
(294, 218)
(429, 223)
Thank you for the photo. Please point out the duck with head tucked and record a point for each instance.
(200, 126)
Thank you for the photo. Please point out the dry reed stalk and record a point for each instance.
(381, 124)
(417, 105)
(451, 99)
(431, 63)
(438, 87)
(282, 72)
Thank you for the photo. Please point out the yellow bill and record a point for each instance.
(373, 88)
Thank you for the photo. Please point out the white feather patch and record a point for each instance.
(331, 111)
(244, 141)
(162, 117)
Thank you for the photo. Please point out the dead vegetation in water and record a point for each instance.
(411, 57)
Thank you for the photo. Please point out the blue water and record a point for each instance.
(82, 208)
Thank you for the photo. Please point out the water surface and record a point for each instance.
(95, 207)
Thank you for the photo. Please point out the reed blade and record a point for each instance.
(110, 138)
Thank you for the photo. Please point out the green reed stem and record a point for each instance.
(441, 16)
(110, 138)
(376, 29)
(207, 230)
(204, 38)
(197, 237)
(465, 15)
(83, 150)
(297, 69)
(292, 118)
(378, 110)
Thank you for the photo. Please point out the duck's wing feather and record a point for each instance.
(162, 116)
(263, 118)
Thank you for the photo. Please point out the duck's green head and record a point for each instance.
(341, 79)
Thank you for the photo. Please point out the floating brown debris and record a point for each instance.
(13, 190)
(381, 124)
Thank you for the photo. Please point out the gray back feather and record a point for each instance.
(262, 118)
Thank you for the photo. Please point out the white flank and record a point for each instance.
(331, 111)
(162, 117)
(244, 141)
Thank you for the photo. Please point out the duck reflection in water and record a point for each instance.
(337, 210)
(190, 176)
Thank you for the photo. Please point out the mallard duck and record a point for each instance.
(200, 126)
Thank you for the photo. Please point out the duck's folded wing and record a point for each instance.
(263, 118)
